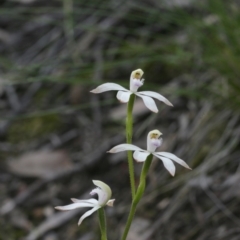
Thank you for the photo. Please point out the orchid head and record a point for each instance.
(104, 193)
(153, 141)
(123, 94)
(135, 80)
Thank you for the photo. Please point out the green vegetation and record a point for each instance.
(191, 52)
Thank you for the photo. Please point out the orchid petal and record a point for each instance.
(157, 96)
(91, 200)
(168, 164)
(104, 192)
(110, 202)
(153, 141)
(174, 158)
(136, 74)
(135, 84)
(74, 206)
(156, 142)
(123, 96)
(108, 87)
(140, 156)
(135, 80)
(124, 147)
(149, 102)
(88, 213)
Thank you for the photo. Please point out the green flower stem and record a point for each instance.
(102, 223)
(129, 127)
(138, 195)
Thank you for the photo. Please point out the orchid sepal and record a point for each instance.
(124, 147)
(108, 87)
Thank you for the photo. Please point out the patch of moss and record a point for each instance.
(9, 232)
(27, 129)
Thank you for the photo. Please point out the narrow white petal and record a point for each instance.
(123, 96)
(140, 156)
(124, 147)
(174, 158)
(168, 164)
(108, 87)
(157, 96)
(91, 200)
(88, 213)
(74, 206)
(149, 102)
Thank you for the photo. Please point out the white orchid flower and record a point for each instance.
(124, 94)
(104, 193)
(153, 142)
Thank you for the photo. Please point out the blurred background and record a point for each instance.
(54, 133)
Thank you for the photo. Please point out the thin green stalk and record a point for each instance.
(129, 127)
(138, 196)
(68, 21)
(102, 223)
